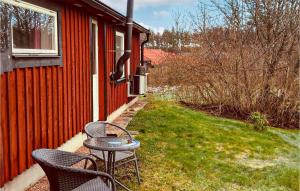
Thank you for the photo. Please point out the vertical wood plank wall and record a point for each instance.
(1, 134)
(135, 53)
(101, 48)
(117, 94)
(46, 106)
(43, 107)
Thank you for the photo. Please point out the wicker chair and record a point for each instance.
(63, 177)
(98, 129)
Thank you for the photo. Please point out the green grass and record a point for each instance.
(182, 149)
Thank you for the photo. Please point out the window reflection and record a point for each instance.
(28, 29)
(32, 30)
(119, 51)
(5, 15)
(119, 43)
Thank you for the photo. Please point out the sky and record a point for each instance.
(154, 14)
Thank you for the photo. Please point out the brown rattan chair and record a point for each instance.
(98, 129)
(63, 177)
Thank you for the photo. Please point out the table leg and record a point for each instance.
(111, 159)
(108, 169)
(113, 164)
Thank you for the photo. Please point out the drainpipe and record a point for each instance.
(142, 49)
(129, 25)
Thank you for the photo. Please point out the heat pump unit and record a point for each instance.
(140, 84)
(140, 81)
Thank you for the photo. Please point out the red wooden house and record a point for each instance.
(57, 57)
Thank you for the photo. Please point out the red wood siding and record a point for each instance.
(101, 45)
(135, 54)
(46, 106)
(116, 93)
(43, 107)
(2, 124)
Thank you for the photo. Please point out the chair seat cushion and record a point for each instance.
(121, 155)
(96, 184)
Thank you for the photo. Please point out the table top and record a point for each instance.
(111, 144)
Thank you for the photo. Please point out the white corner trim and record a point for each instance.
(73, 144)
(35, 172)
(121, 110)
(24, 180)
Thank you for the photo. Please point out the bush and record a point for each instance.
(259, 121)
(239, 67)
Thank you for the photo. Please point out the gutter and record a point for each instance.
(129, 26)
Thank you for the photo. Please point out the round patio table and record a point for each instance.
(111, 145)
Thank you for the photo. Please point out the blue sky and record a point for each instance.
(154, 14)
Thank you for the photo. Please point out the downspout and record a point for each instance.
(142, 49)
(129, 26)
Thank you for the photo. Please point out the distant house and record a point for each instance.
(156, 56)
(57, 57)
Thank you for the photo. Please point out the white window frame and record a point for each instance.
(122, 35)
(20, 51)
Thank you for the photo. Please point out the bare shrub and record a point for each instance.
(249, 63)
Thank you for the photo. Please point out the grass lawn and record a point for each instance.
(184, 149)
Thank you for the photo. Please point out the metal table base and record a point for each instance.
(111, 168)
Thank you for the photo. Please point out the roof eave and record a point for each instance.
(113, 13)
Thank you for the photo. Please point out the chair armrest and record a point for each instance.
(104, 175)
(90, 174)
(110, 178)
(92, 161)
(74, 158)
(121, 128)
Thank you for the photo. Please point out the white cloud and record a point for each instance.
(161, 13)
(159, 30)
(120, 5)
(144, 25)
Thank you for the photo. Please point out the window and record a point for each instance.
(119, 40)
(33, 29)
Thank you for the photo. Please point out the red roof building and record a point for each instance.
(156, 56)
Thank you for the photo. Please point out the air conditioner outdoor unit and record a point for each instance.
(140, 81)
(140, 84)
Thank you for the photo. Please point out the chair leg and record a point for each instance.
(105, 166)
(137, 171)
(85, 163)
(105, 162)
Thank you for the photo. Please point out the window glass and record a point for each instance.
(33, 29)
(120, 49)
(5, 15)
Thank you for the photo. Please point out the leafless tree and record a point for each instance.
(247, 59)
